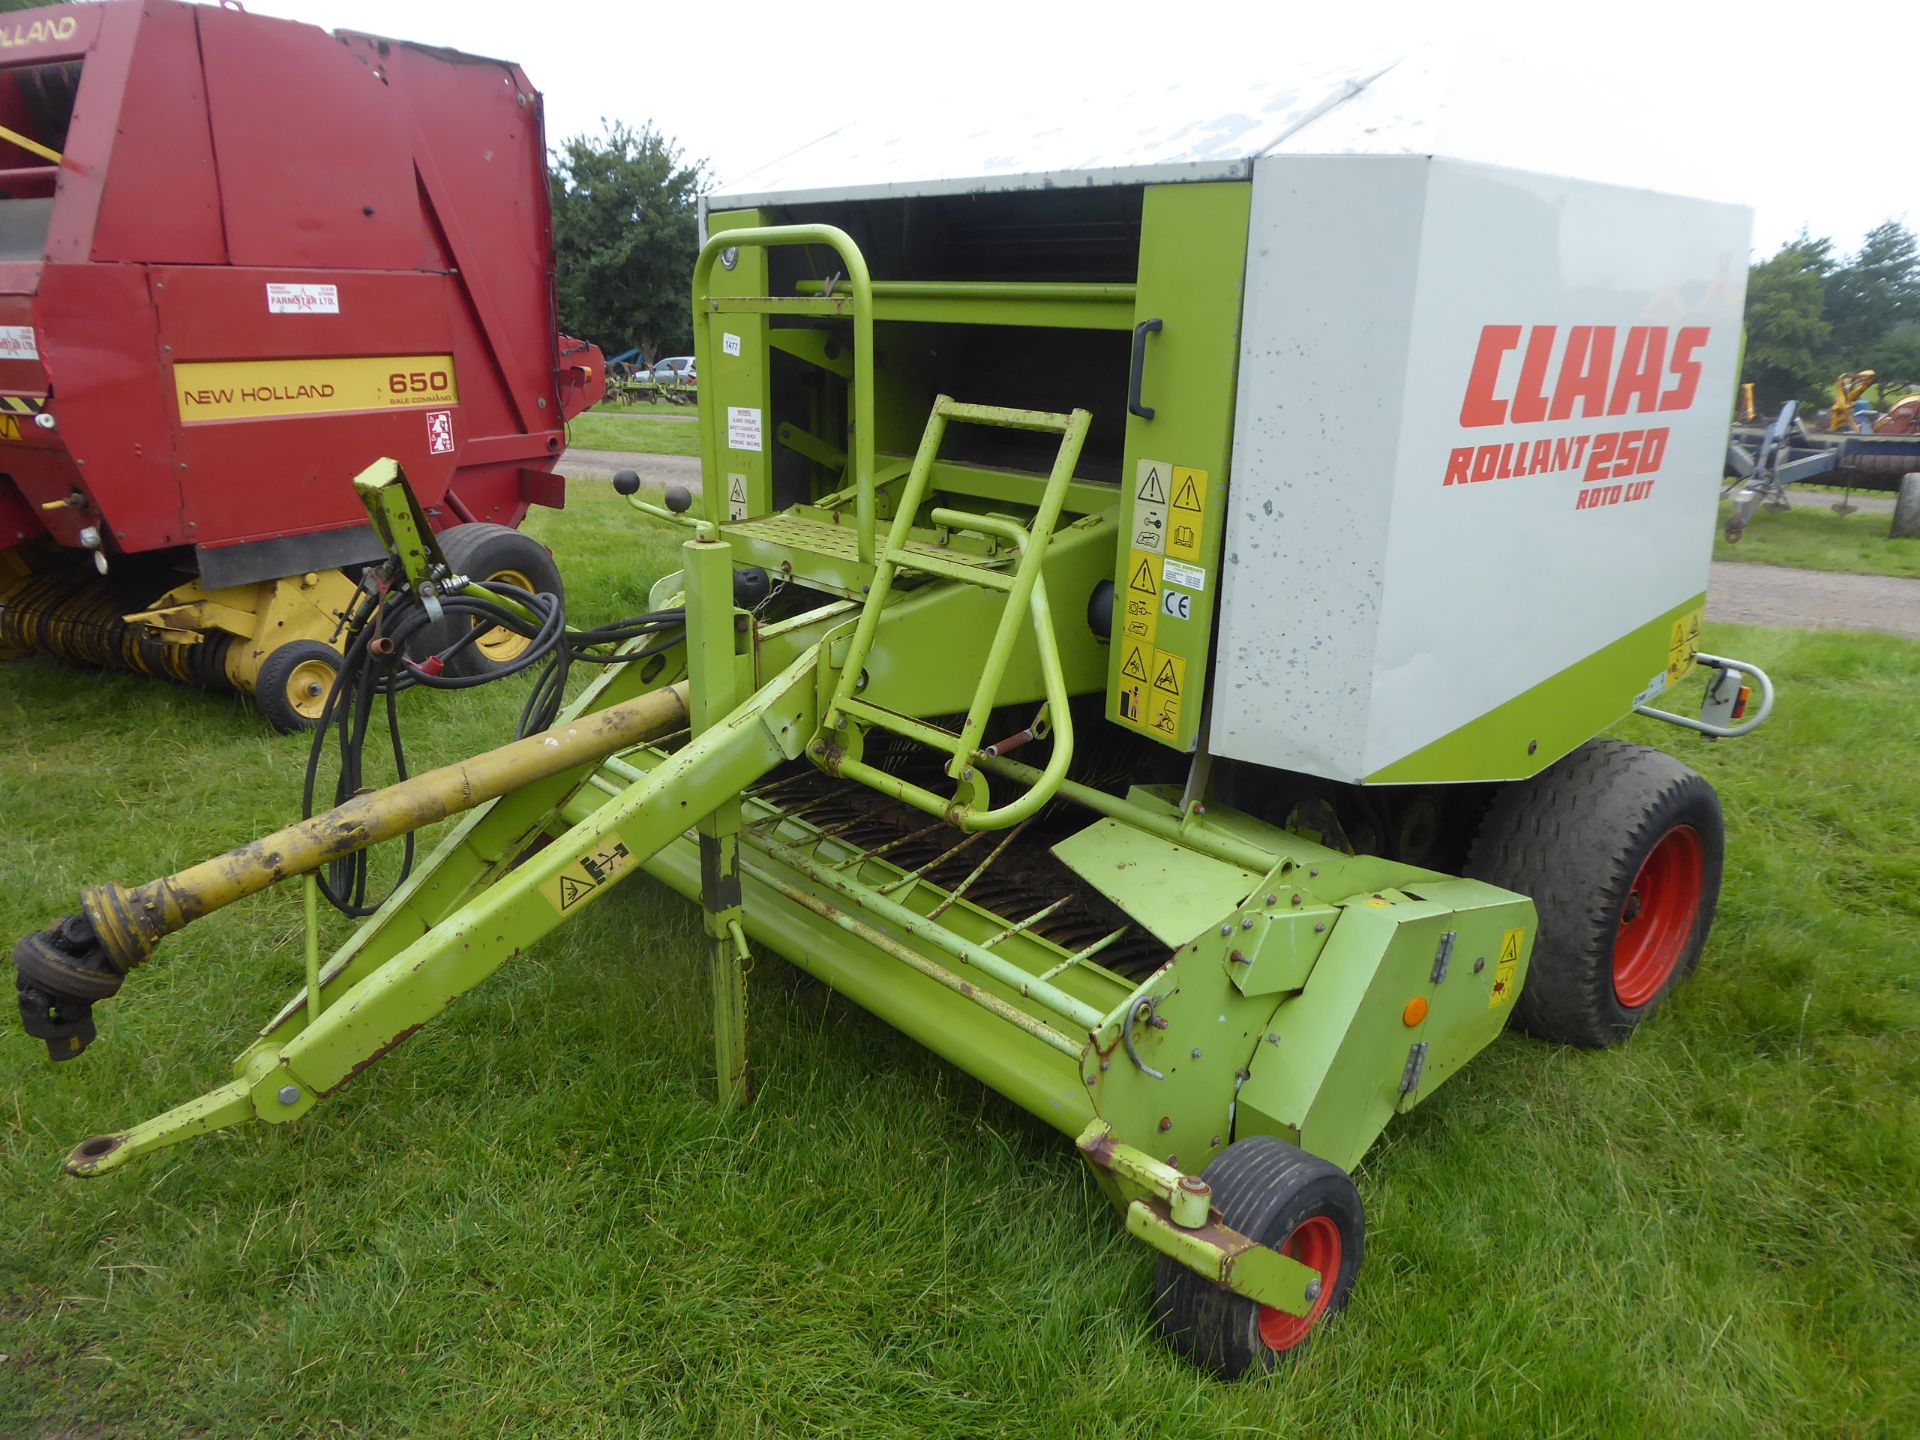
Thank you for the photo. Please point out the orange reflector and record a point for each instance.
(1740, 702)
(1415, 1012)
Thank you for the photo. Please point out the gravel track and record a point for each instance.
(1813, 599)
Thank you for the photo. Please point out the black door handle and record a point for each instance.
(1140, 333)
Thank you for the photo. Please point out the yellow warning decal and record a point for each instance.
(1140, 601)
(1150, 506)
(1136, 674)
(1503, 971)
(588, 875)
(9, 427)
(264, 389)
(1186, 516)
(1683, 643)
(1169, 686)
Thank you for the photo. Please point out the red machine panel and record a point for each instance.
(266, 257)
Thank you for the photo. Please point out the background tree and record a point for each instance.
(1874, 292)
(1787, 328)
(624, 239)
(1811, 317)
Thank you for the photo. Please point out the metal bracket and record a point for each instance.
(1442, 958)
(1416, 1067)
(1708, 728)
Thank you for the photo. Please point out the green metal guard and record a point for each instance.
(1026, 591)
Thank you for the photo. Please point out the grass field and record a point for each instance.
(644, 407)
(1811, 537)
(528, 1221)
(651, 434)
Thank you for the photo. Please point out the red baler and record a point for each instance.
(241, 258)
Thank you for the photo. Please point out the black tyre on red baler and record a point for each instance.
(1621, 849)
(482, 551)
(290, 691)
(1293, 1202)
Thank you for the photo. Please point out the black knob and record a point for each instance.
(627, 482)
(750, 586)
(1100, 610)
(679, 499)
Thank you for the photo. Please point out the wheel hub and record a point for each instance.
(1315, 1243)
(499, 644)
(1657, 919)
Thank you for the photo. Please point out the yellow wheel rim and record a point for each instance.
(500, 645)
(307, 687)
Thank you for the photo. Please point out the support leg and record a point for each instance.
(712, 660)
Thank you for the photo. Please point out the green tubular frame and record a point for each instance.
(858, 302)
(1025, 590)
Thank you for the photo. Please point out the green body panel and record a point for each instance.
(729, 380)
(1562, 712)
(1340, 1057)
(1193, 251)
(1170, 888)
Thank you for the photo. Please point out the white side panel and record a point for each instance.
(1413, 536)
(1496, 585)
(1332, 259)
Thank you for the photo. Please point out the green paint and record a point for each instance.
(1193, 249)
(1561, 713)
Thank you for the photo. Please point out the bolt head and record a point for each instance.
(1313, 1290)
(1166, 1123)
(1226, 930)
(1247, 924)
(1196, 1054)
(1194, 1185)
(289, 1094)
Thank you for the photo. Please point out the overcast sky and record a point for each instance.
(1744, 102)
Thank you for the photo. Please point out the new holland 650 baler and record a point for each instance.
(239, 259)
(1210, 778)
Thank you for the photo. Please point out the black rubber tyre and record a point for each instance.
(1275, 1193)
(483, 551)
(1621, 849)
(292, 687)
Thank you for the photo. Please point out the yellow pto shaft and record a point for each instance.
(83, 958)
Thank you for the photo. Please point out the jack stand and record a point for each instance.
(713, 679)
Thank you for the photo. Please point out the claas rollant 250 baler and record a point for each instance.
(239, 258)
(1052, 674)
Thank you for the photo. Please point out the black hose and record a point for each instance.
(384, 630)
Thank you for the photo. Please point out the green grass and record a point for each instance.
(600, 430)
(645, 407)
(1811, 537)
(529, 1221)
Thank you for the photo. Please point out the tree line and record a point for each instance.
(1813, 315)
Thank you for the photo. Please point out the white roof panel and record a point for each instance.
(1461, 101)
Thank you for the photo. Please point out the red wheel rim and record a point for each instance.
(1658, 917)
(1315, 1243)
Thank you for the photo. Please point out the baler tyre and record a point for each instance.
(1621, 849)
(482, 551)
(291, 688)
(1298, 1204)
